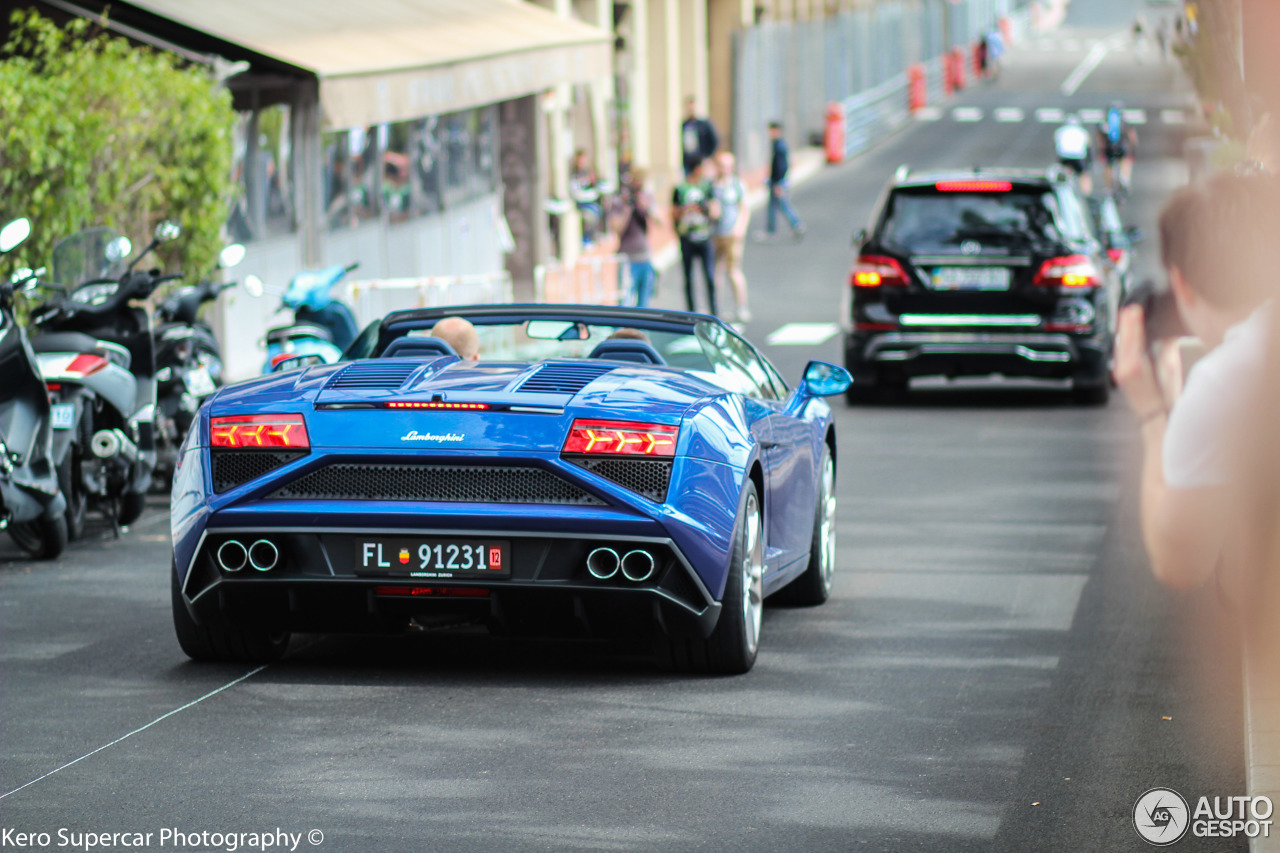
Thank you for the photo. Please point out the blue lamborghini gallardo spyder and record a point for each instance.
(596, 472)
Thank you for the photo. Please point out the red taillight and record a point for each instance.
(1116, 255)
(973, 186)
(1067, 271)
(435, 404)
(250, 432)
(874, 327)
(54, 386)
(621, 439)
(877, 270)
(86, 365)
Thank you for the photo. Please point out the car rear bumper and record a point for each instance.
(910, 354)
(315, 586)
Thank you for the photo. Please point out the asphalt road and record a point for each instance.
(996, 670)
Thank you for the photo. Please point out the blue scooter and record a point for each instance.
(322, 326)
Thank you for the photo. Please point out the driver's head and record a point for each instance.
(459, 334)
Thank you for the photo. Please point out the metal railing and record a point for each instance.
(591, 280)
(373, 299)
(869, 116)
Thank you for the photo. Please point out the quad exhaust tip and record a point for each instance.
(638, 566)
(263, 555)
(603, 563)
(232, 556)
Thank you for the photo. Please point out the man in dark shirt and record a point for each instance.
(698, 137)
(695, 211)
(778, 186)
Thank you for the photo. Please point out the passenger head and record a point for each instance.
(690, 107)
(775, 129)
(459, 334)
(629, 335)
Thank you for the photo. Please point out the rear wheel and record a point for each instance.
(220, 641)
(732, 647)
(72, 487)
(814, 586)
(44, 538)
(131, 506)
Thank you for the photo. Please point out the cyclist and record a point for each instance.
(1071, 141)
(1119, 142)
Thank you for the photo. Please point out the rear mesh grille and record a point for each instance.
(682, 587)
(563, 378)
(233, 468)
(443, 483)
(374, 374)
(646, 477)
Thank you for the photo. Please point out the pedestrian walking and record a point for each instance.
(731, 228)
(698, 137)
(633, 214)
(584, 190)
(779, 188)
(695, 209)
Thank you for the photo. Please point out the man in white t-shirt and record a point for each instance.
(1071, 143)
(1219, 249)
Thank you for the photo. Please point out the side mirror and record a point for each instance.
(167, 231)
(825, 380)
(231, 256)
(14, 234)
(296, 362)
(859, 237)
(118, 249)
(253, 286)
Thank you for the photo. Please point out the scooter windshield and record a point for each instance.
(87, 255)
(310, 288)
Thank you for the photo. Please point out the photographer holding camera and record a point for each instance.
(1218, 243)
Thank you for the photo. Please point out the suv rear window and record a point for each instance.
(922, 220)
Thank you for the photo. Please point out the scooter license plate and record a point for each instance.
(62, 416)
(199, 382)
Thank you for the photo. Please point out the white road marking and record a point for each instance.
(966, 114)
(1173, 117)
(1083, 70)
(250, 674)
(1009, 114)
(1049, 115)
(1135, 116)
(1092, 116)
(801, 334)
(929, 113)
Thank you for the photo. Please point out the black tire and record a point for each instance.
(72, 487)
(219, 641)
(44, 538)
(734, 643)
(131, 506)
(814, 586)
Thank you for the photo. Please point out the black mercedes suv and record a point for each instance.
(976, 273)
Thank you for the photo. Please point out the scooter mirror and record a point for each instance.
(13, 234)
(118, 249)
(168, 230)
(231, 256)
(253, 285)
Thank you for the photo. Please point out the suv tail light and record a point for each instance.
(619, 438)
(251, 432)
(877, 270)
(973, 186)
(1116, 255)
(1067, 271)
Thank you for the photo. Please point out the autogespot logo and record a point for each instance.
(1160, 816)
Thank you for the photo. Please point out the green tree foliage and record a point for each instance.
(97, 131)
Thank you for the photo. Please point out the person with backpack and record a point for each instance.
(731, 227)
(1118, 142)
(695, 210)
(634, 212)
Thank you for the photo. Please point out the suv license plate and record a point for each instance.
(970, 278)
(433, 558)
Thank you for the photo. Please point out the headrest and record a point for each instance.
(416, 347)
(627, 349)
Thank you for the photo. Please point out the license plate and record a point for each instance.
(199, 382)
(970, 278)
(434, 558)
(62, 416)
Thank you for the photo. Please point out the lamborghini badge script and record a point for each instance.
(414, 435)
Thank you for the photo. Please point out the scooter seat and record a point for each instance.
(66, 342)
(305, 330)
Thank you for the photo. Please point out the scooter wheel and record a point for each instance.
(131, 506)
(44, 538)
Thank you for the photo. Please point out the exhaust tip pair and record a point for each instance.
(636, 566)
(233, 555)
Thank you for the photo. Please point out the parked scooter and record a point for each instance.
(97, 355)
(34, 510)
(188, 360)
(322, 325)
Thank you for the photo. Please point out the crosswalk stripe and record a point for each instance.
(928, 113)
(1048, 115)
(1009, 114)
(1091, 116)
(802, 334)
(1135, 116)
(966, 114)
